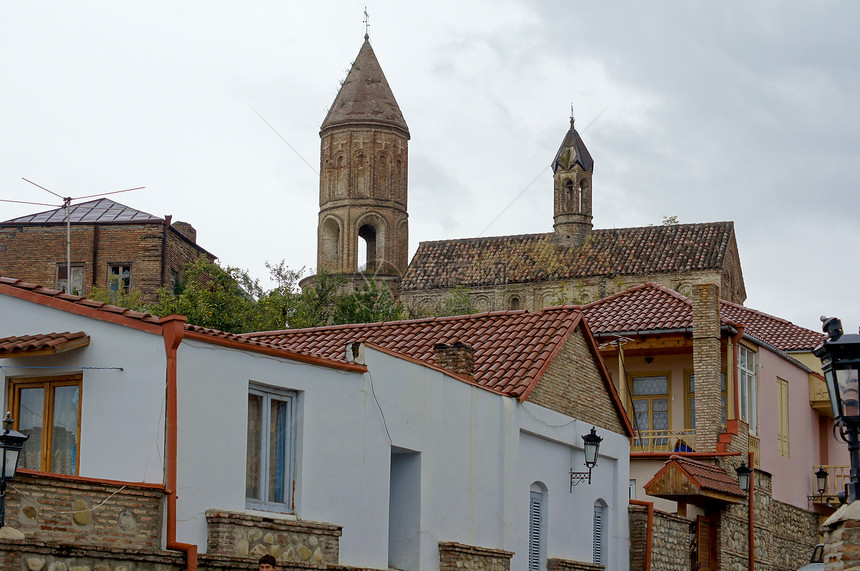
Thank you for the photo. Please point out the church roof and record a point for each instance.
(501, 260)
(512, 348)
(572, 151)
(653, 307)
(100, 211)
(365, 96)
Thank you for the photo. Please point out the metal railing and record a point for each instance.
(683, 440)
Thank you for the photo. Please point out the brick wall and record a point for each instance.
(573, 385)
(567, 565)
(243, 535)
(455, 556)
(707, 364)
(82, 511)
(456, 357)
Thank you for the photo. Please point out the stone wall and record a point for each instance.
(670, 545)
(455, 556)
(567, 565)
(243, 535)
(84, 511)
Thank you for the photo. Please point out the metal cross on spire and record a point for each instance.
(366, 24)
(571, 114)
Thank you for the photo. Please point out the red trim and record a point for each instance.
(88, 480)
(649, 530)
(242, 346)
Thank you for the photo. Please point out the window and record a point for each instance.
(77, 286)
(651, 402)
(119, 278)
(782, 416)
(691, 399)
(599, 533)
(270, 468)
(537, 518)
(48, 410)
(747, 386)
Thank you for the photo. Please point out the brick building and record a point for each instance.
(112, 245)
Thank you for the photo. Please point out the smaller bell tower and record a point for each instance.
(572, 170)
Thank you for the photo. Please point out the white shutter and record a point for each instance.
(597, 537)
(535, 517)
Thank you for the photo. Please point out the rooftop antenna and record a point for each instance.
(67, 204)
(366, 25)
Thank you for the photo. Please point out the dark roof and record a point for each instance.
(530, 257)
(653, 307)
(572, 151)
(705, 477)
(512, 348)
(42, 344)
(365, 96)
(101, 211)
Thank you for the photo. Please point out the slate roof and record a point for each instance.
(653, 307)
(503, 260)
(47, 342)
(571, 151)
(101, 211)
(512, 348)
(365, 96)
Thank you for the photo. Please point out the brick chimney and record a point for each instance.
(707, 364)
(457, 357)
(186, 230)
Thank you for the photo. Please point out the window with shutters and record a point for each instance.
(270, 468)
(537, 518)
(599, 533)
(782, 416)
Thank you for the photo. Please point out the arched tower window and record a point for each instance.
(383, 178)
(514, 303)
(362, 175)
(330, 244)
(340, 175)
(367, 248)
(600, 532)
(583, 192)
(569, 196)
(537, 527)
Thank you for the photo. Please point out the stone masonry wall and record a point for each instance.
(243, 535)
(670, 542)
(456, 556)
(82, 511)
(573, 385)
(567, 565)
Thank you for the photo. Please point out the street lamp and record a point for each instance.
(821, 480)
(743, 476)
(840, 361)
(591, 443)
(11, 443)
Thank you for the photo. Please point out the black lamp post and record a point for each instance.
(840, 361)
(591, 443)
(743, 476)
(821, 480)
(11, 443)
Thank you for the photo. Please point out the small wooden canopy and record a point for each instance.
(42, 344)
(692, 482)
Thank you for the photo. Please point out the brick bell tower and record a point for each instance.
(572, 169)
(363, 177)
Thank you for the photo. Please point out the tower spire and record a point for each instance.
(366, 25)
(572, 169)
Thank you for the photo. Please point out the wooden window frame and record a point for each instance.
(783, 421)
(48, 384)
(110, 274)
(667, 395)
(724, 393)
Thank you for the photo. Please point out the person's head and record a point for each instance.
(268, 563)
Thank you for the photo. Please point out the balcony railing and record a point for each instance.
(837, 477)
(664, 441)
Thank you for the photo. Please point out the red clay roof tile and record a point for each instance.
(46, 342)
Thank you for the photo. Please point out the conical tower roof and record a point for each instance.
(365, 96)
(572, 151)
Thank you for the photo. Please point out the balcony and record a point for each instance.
(664, 441)
(837, 477)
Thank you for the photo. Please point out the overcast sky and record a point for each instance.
(743, 111)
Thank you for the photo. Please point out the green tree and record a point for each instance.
(455, 303)
(370, 304)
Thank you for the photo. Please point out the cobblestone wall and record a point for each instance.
(455, 556)
(567, 565)
(670, 546)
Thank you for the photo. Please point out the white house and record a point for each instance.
(404, 445)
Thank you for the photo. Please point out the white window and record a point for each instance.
(270, 468)
(748, 386)
(77, 285)
(537, 517)
(599, 533)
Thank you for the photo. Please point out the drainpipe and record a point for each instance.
(173, 328)
(167, 219)
(752, 512)
(649, 530)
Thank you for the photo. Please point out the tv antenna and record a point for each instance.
(67, 204)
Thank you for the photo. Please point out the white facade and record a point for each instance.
(403, 456)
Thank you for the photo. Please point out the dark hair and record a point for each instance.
(268, 559)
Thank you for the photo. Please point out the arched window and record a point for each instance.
(599, 533)
(367, 248)
(537, 527)
(569, 194)
(330, 245)
(514, 303)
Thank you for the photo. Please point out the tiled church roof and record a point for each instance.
(512, 348)
(531, 257)
(101, 211)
